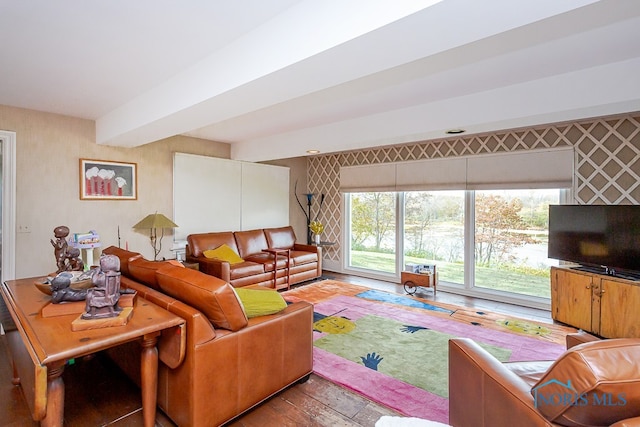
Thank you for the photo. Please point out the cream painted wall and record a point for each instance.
(48, 149)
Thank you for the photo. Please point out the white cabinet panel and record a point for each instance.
(265, 196)
(213, 194)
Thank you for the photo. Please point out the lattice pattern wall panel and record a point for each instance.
(607, 169)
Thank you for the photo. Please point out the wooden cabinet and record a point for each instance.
(603, 305)
(619, 309)
(571, 298)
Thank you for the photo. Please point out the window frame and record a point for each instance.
(468, 288)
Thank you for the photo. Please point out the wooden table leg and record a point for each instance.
(287, 270)
(16, 376)
(149, 378)
(55, 397)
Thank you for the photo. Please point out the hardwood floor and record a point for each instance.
(97, 394)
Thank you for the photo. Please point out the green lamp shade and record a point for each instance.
(155, 220)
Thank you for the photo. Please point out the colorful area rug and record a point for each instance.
(393, 348)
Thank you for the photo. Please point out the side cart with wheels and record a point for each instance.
(413, 281)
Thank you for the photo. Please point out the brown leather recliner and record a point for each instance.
(594, 383)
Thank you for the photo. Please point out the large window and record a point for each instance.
(372, 223)
(484, 242)
(434, 231)
(511, 236)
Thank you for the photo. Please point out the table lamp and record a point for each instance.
(153, 222)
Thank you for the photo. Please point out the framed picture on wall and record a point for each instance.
(106, 180)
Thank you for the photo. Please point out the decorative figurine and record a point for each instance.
(61, 289)
(60, 246)
(67, 258)
(74, 262)
(102, 300)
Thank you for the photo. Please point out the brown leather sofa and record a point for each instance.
(594, 383)
(229, 363)
(257, 267)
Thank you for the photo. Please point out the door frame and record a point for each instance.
(8, 204)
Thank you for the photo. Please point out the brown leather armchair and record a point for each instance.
(594, 383)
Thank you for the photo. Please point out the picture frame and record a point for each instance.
(108, 180)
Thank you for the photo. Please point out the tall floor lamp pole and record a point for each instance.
(307, 213)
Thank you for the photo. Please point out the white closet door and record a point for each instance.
(265, 196)
(207, 195)
(213, 194)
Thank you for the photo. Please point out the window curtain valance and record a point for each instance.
(531, 169)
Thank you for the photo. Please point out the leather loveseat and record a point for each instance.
(230, 363)
(594, 383)
(255, 266)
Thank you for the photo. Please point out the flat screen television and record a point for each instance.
(601, 238)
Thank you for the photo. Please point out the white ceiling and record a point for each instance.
(275, 78)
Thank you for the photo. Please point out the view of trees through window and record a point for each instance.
(511, 237)
(434, 232)
(373, 231)
(509, 228)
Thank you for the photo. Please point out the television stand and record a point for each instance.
(601, 304)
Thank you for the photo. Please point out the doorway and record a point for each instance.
(7, 205)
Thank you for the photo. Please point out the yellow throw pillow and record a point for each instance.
(223, 253)
(258, 302)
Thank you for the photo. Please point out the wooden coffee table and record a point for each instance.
(40, 347)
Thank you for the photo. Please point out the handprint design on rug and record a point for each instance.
(412, 329)
(372, 360)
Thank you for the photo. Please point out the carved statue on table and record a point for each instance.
(67, 258)
(102, 299)
(61, 289)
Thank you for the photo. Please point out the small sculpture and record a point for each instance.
(61, 289)
(60, 246)
(67, 258)
(74, 262)
(102, 300)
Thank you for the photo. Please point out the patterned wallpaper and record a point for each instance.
(607, 169)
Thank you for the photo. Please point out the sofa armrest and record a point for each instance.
(482, 391)
(629, 422)
(213, 267)
(245, 367)
(311, 248)
(579, 338)
(199, 328)
(308, 248)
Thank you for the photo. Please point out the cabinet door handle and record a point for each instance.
(602, 292)
(587, 287)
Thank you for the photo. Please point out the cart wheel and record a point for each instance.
(410, 287)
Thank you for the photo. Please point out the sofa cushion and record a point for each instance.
(303, 257)
(215, 298)
(144, 271)
(596, 383)
(260, 302)
(246, 269)
(267, 260)
(282, 237)
(250, 242)
(198, 243)
(223, 253)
